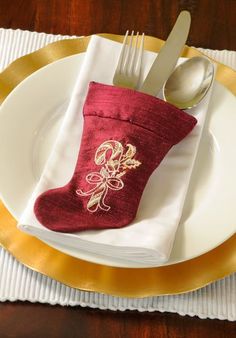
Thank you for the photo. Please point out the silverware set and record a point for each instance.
(189, 83)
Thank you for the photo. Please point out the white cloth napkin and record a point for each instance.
(149, 239)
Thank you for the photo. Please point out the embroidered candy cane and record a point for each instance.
(111, 155)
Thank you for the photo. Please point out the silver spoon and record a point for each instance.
(189, 82)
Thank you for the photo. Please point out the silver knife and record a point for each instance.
(166, 60)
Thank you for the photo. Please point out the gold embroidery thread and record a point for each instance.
(115, 162)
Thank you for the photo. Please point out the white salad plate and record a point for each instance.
(30, 118)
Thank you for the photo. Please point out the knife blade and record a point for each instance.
(167, 58)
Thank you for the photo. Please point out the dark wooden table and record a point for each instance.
(213, 26)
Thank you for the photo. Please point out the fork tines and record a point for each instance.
(129, 65)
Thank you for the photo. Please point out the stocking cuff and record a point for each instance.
(146, 111)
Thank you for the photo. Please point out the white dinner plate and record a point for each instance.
(29, 120)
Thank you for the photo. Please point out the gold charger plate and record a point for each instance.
(172, 279)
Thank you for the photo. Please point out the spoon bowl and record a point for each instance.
(189, 82)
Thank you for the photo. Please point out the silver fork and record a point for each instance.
(129, 65)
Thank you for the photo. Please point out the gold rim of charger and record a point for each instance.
(140, 282)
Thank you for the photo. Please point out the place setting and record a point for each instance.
(117, 164)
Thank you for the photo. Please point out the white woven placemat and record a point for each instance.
(217, 300)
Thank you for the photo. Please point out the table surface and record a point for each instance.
(213, 26)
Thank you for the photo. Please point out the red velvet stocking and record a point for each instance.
(125, 137)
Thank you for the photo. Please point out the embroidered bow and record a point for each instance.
(103, 183)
